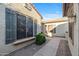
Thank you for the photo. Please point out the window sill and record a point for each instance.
(23, 40)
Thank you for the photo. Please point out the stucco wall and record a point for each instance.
(20, 8)
(2, 27)
(74, 48)
(78, 29)
(62, 28)
(5, 49)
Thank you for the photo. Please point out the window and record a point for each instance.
(35, 27)
(29, 27)
(18, 26)
(21, 26)
(10, 26)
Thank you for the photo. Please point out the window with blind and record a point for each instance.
(21, 26)
(35, 27)
(10, 26)
(29, 27)
(18, 26)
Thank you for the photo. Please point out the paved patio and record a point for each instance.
(28, 50)
(63, 49)
(56, 46)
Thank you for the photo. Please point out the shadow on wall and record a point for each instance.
(58, 30)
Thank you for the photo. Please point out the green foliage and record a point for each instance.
(40, 38)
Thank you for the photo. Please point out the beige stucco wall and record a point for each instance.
(2, 27)
(5, 49)
(74, 48)
(76, 30)
(20, 8)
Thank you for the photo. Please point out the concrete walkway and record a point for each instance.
(55, 46)
(50, 49)
(28, 50)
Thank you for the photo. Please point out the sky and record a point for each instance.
(49, 10)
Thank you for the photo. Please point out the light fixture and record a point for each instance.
(28, 6)
(73, 16)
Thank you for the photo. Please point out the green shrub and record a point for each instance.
(40, 38)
